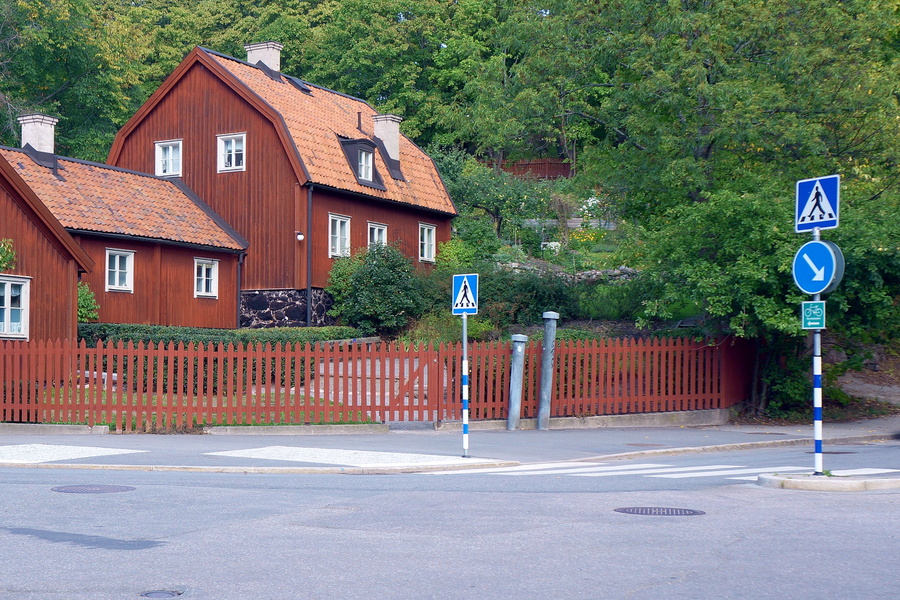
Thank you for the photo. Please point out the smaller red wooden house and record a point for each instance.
(163, 256)
(38, 298)
(306, 174)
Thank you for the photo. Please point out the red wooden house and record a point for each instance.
(304, 173)
(38, 298)
(163, 257)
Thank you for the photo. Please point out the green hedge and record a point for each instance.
(111, 332)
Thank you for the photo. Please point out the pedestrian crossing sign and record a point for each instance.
(465, 294)
(817, 203)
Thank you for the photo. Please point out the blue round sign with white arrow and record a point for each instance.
(818, 267)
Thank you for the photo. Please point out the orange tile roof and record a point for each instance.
(87, 196)
(315, 120)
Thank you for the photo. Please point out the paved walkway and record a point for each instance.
(405, 447)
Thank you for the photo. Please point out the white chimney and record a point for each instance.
(267, 52)
(39, 131)
(387, 129)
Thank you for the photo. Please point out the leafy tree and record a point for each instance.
(7, 255)
(375, 290)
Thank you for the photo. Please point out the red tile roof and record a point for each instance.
(316, 120)
(93, 197)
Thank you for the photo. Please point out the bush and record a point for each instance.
(88, 309)
(442, 326)
(112, 332)
(375, 291)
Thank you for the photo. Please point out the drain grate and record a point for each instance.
(92, 489)
(660, 511)
(161, 594)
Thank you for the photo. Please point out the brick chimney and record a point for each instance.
(39, 131)
(387, 129)
(267, 52)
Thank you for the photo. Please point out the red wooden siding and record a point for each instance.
(167, 388)
(163, 286)
(53, 300)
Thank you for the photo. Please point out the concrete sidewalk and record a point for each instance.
(408, 447)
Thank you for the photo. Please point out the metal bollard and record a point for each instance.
(549, 345)
(516, 377)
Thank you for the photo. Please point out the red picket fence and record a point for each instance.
(145, 387)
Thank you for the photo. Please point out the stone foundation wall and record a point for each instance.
(284, 308)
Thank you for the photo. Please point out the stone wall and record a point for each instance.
(284, 308)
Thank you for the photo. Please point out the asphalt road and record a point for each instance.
(542, 535)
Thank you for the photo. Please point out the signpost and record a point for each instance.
(464, 302)
(818, 269)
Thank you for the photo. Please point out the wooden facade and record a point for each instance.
(46, 255)
(163, 287)
(275, 198)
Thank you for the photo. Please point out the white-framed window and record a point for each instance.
(426, 242)
(339, 235)
(365, 165)
(206, 278)
(14, 302)
(168, 158)
(377, 233)
(231, 152)
(119, 270)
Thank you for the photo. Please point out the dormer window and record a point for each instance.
(231, 154)
(364, 171)
(361, 161)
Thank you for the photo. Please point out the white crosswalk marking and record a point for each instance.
(651, 472)
(732, 472)
(24, 454)
(587, 471)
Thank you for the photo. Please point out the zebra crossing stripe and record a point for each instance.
(732, 472)
(650, 472)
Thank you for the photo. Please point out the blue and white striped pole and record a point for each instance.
(817, 397)
(817, 385)
(465, 388)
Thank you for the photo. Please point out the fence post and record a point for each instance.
(517, 374)
(550, 319)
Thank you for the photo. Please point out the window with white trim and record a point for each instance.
(119, 270)
(168, 158)
(365, 165)
(14, 301)
(426, 242)
(377, 234)
(206, 278)
(231, 152)
(339, 236)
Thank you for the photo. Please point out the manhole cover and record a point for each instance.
(160, 594)
(659, 511)
(92, 489)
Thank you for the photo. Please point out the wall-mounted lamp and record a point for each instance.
(299, 236)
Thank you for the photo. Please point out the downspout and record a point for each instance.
(309, 195)
(240, 286)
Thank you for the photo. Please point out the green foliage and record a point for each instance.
(92, 332)
(375, 290)
(441, 326)
(613, 301)
(787, 380)
(507, 297)
(7, 255)
(88, 309)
